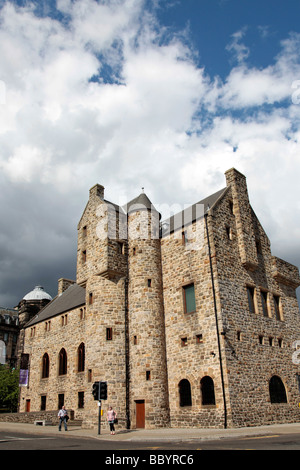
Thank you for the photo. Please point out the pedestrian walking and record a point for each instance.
(111, 419)
(63, 418)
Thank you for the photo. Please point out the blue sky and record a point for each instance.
(161, 94)
(211, 23)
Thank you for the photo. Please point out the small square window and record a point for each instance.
(184, 342)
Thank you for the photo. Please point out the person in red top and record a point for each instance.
(111, 417)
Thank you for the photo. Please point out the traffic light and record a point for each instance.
(103, 390)
(95, 390)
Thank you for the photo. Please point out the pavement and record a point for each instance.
(148, 435)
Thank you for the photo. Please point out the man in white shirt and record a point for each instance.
(63, 415)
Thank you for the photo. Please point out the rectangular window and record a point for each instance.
(264, 302)
(228, 232)
(43, 402)
(108, 334)
(61, 400)
(82, 313)
(80, 399)
(251, 300)
(83, 256)
(148, 375)
(189, 298)
(91, 298)
(277, 307)
(121, 248)
(199, 339)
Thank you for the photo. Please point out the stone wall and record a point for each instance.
(191, 340)
(257, 344)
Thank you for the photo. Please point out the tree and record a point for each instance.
(9, 388)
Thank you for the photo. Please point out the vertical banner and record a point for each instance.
(24, 366)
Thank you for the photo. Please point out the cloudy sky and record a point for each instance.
(161, 94)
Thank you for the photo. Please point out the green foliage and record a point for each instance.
(9, 388)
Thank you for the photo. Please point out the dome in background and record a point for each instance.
(38, 293)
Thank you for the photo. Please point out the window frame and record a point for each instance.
(62, 362)
(251, 296)
(185, 393)
(81, 358)
(185, 305)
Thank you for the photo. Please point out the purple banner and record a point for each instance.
(23, 382)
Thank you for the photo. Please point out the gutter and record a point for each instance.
(217, 325)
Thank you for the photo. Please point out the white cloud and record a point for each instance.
(237, 48)
(149, 117)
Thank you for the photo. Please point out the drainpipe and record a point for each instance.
(127, 357)
(127, 366)
(217, 325)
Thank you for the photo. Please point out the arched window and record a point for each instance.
(62, 362)
(277, 390)
(81, 357)
(207, 391)
(45, 366)
(185, 393)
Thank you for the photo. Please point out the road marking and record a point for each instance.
(259, 437)
(14, 438)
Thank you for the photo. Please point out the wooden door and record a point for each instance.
(27, 406)
(140, 414)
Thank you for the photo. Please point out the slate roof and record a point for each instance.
(71, 298)
(192, 213)
(140, 202)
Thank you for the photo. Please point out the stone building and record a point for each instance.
(191, 321)
(13, 320)
(9, 333)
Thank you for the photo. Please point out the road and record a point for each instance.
(20, 441)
